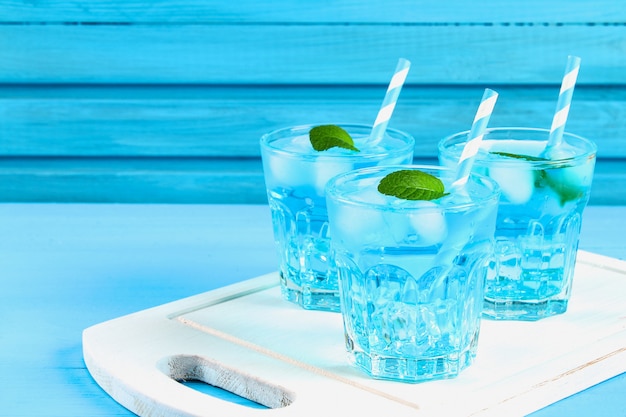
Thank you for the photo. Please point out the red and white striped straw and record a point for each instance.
(563, 104)
(389, 102)
(475, 137)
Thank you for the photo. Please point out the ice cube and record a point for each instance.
(568, 181)
(429, 223)
(515, 146)
(456, 196)
(517, 184)
(325, 170)
(562, 151)
(368, 193)
(487, 145)
(355, 225)
(572, 177)
(288, 172)
(553, 205)
(398, 226)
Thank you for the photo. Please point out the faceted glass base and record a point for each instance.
(523, 310)
(310, 298)
(413, 370)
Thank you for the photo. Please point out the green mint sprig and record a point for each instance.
(518, 156)
(325, 137)
(546, 178)
(411, 184)
(565, 190)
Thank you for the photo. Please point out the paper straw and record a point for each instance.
(475, 137)
(563, 104)
(389, 103)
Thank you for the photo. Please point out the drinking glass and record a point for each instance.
(411, 273)
(544, 193)
(295, 177)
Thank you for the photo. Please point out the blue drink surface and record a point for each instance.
(539, 220)
(295, 177)
(411, 274)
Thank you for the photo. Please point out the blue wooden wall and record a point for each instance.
(165, 101)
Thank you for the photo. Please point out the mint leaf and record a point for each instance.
(565, 190)
(330, 136)
(517, 156)
(411, 184)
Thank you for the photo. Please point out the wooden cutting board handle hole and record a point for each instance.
(196, 368)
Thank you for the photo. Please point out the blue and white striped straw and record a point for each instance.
(565, 99)
(475, 137)
(389, 103)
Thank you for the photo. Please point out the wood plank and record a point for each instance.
(227, 121)
(608, 174)
(304, 54)
(164, 180)
(184, 180)
(404, 11)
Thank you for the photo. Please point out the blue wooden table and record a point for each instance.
(66, 267)
(164, 102)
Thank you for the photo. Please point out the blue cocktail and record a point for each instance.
(411, 272)
(295, 176)
(544, 194)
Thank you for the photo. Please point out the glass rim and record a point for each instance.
(484, 181)
(267, 138)
(589, 151)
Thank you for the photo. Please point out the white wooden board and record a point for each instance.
(246, 339)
